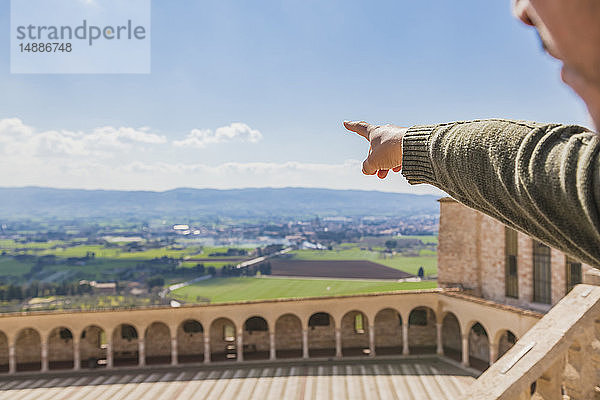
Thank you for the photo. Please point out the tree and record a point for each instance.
(391, 244)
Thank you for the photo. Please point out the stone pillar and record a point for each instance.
(440, 345)
(371, 340)
(206, 349)
(338, 342)
(465, 350)
(240, 345)
(405, 349)
(174, 360)
(493, 353)
(272, 350)
(141, 352)
(12, 360)
(109, 352)
(44, 354)
(304, 343)
(76, 355)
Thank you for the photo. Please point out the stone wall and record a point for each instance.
(124, 348)
(218, 344)
(350, 337)
(423, 335)
(3, 352)
(451, 337)
(60, 349)
(28, 346)
(191, 343)
(288, 333)
(388, 329)
(158, 340)
(90, 344)
(458, 249)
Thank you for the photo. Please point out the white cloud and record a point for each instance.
(18, 139)
(137, 159)
(236, 131)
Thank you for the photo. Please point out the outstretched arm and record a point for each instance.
(543, 179)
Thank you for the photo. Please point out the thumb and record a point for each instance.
(368, 167)
(360, 127)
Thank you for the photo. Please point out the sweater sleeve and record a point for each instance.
(542, 179)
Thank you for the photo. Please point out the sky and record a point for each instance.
(253, 94)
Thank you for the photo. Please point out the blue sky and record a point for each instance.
(252, 94)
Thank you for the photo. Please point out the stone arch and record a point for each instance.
(60, 349)
(223, 340)
(388, 332)
(256, 338)
(422, 331)
(3, 353)
(157, 343)
(506, 340)
(125, 345)
(288, 336)
(321, 335)
(451, 337)
(190, 341)
(355, 334)
(479, 347)
(28, 350)
(93, 346)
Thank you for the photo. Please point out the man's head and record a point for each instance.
(570, 31)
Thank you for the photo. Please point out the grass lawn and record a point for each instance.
(220, 290)
(404, 263)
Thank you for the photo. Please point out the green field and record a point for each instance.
(220, 290)
(427, 259)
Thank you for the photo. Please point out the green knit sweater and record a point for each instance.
(542, 179)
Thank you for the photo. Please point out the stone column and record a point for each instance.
(206, 349)
(304, 343)
(371, 340)
(240, 345)
(493, 353)
(272, 350)
(76, 355)
(338, 342)
(174, 360)
(141, 352)
(12, 361)
(44, 354)
(440, 345)
(109, 352)
(465, 350)
(405, 349)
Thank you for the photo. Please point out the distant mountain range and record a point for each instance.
(37, 202)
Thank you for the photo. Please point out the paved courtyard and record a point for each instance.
(412, 378)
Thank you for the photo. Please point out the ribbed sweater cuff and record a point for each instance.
(416, 159)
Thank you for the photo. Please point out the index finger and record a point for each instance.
(360, 127)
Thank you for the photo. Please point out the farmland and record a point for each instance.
(335, 269)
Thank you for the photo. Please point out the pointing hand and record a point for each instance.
(385, 152)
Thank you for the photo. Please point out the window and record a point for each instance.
(191, 326)
(418, 317)
(319, 319)
(228, 333)
(128, 332)
(511, 276)
(573, 273)
(541, 273)
(359, 323)
(255, 324)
